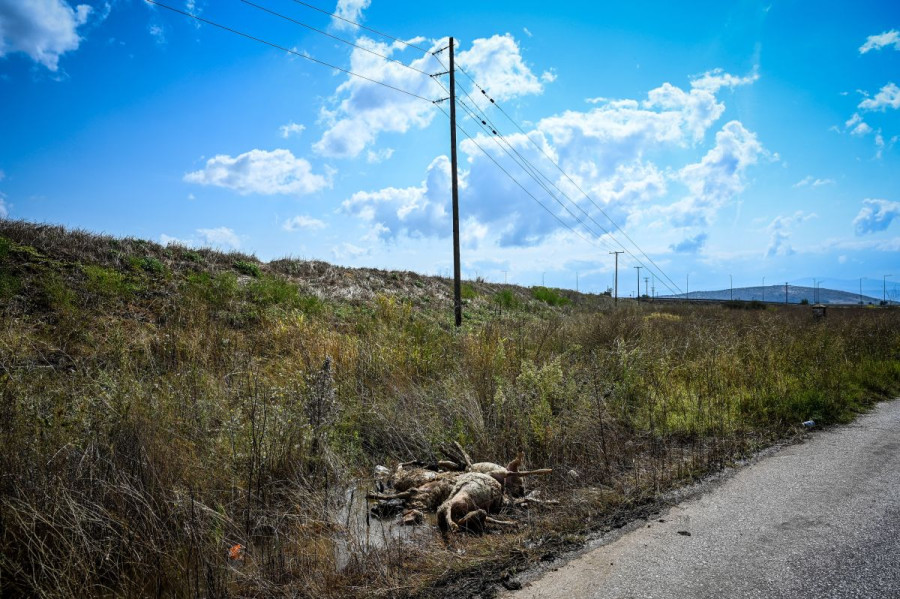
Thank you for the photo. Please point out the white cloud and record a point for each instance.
(810, 181)
(780, 233)
(365, 110)
(351, 10)
(887, 97)
(158, 33)
(497, 63)
(380, 156)
(875, 215)
(690, 245)
(302, 222)
(716, 79)
(42, 29)
(718, 176)
(4, 209)
(421, 211)
(603, 150)
(877, 42)
(349, 251)
(219, 237)
(169, 240)
(527, 32)
(260, 171)
(291, 128)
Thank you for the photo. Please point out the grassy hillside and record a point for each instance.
(160, 405)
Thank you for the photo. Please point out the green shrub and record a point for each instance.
(468, 291)
(247, 268)
(108, 283)
(9, 284)
(506, 299)
(549, 297)
(147, 264)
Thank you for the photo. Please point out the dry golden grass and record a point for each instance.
(162, 405)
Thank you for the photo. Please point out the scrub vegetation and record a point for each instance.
(185, 422)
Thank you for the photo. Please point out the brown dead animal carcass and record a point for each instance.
(473, 496)
(420, 489)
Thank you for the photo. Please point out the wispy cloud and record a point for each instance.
(351, 10)
(690, 245)
(810, 181)
(219, 237)
(302, 221)
(887, 97)
(882, 40)
(291, 128)
(780, 230)
(875, 215)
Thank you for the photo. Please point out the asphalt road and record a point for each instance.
(816, 520)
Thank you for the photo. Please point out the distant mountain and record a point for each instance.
(775, 294)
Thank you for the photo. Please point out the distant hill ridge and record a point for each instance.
(775, 294)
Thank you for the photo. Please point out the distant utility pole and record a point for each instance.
(785, 292)
(646, 282)
(884, 289)
(860, 290)
(653, 288)
(457, 277)
(637, 292)
(616, 283)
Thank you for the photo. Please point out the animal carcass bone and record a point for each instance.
(473, 495)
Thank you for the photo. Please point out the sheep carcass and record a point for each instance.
(473, 495)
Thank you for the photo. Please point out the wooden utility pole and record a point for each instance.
(785, 293)
(637, 293)
(646, 284)
(457, 282)
(617, 275)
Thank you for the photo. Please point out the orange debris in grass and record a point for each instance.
(236, 552)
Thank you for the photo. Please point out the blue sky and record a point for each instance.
(750, 139)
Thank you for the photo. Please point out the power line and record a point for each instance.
(360, 25)
(514, 180)
(537, 179)
(528, 167)
(578, 187)
(334, 37)
(494, 130)
(537, 174)
(288, 50)
(486, 120)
